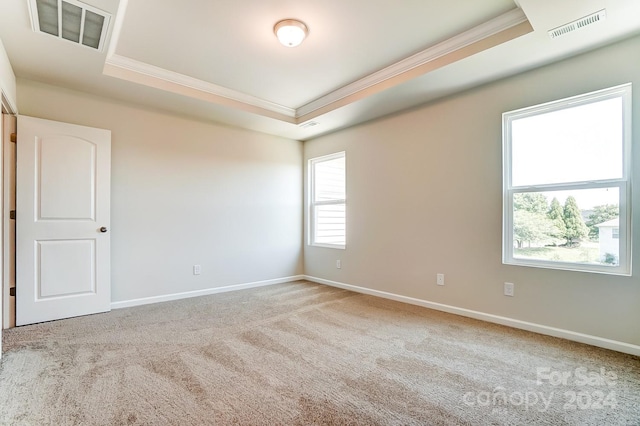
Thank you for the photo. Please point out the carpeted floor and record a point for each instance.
(303, 354)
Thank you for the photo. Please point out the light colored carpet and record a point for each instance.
(301, 354)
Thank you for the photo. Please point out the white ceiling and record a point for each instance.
(220, 61)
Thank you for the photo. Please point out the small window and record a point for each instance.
(327, 190)
(567, 196)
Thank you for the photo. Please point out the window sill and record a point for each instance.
(572, 267)
(331, 246)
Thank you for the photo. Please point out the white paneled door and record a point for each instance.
(62, 220)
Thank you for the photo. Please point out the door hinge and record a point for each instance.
(12, 291)
(12, 214)
(13, 138)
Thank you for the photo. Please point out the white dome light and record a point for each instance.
(291, 32)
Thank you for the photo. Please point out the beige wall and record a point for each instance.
(424, 192)
(7, 81)
(186, 192)
(424, 197)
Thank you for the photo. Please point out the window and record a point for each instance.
(566, 175)
(327, 183)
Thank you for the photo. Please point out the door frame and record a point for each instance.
(5, 108)
(7, 233)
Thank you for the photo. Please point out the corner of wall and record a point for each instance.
(7, 82)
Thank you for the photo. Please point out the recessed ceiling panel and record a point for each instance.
(234, 47)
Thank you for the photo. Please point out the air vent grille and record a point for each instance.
(70, 20)
(578, 24)
(308, 124)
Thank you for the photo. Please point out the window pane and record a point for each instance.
(579, 226)
(330, 224)
(330, 180)
(577, 144)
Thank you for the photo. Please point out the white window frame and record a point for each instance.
(313, 203)
(623, 184)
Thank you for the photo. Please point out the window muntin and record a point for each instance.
(327, 178)
(578, 149)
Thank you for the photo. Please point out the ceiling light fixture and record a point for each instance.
(291, 32)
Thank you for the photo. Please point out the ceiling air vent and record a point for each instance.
(578, 24)
(70, 20)
(308, 124)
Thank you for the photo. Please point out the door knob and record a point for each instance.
(103, 229)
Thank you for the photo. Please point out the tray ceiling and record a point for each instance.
(220, 61)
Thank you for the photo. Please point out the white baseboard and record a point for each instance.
(523, 325)
(204, 292)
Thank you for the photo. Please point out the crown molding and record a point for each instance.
(118, 21)
(150, 75)
(496, 31)
(456, 43)
(142, 73)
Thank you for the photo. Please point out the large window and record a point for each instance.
(567, 195)
(327, 190)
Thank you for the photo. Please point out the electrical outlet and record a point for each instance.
(508, 289)
(339, 264)
(197, 269)
(440, 279)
